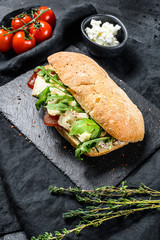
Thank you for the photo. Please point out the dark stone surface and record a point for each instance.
(18, 106)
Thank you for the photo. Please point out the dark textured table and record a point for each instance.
(142, 19)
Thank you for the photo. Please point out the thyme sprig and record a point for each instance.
(107, 191)
(103, 204)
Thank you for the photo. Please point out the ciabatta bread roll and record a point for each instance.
(101, 99)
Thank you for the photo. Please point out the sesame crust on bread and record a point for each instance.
(99, 96)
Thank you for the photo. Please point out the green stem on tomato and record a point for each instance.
(7, 29)
(22, 28)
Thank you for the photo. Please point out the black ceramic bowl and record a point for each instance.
(97, 49)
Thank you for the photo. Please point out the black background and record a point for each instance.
(138, 67)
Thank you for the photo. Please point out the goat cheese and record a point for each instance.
(39, 85)
(103, 34)
(53, 112)
(84, 136)
(68, 118)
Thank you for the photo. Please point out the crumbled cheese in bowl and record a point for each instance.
(103, 34)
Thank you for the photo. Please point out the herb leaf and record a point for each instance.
(62, 89)
(88, 145)
(86, 125)
(103, 204)
(77, 108)
(62, 107)
(60, 97)
(42, 98)
(63, 103)
(48, 76)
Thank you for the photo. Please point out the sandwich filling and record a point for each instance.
(63, 111)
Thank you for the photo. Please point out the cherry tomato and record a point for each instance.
(41, 31)
(5, 41)
(21, 45)
(19, 20)
(48, 16)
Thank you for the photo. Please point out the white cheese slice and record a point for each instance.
(39, 85)
(51, 111)
(84, 136)
(73, 103)
(55, 90)
(68, 118)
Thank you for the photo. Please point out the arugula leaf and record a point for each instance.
(61, 106)
(60, 89)
(88, 145)
(86, 125)
(42, 98)
(77, 109)
(47, 75)
(48, 78)
(63, 103)
(51, 78)
(60, 97)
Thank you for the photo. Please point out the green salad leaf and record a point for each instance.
(61, 106)
(60, 97)
(63, 103)
(42, 98)
(62, 89)
(86, 147)
(48, 76)
(86, 125)
(51, 78)
(77, 108)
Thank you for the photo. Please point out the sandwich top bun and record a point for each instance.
(99, 96)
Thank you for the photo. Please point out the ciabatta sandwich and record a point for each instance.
(85, 105)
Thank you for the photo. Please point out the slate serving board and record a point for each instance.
(18, 105)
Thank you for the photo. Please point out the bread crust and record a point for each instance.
(93, 153)
(99, 96)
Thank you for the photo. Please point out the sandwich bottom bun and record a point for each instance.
(102, 148)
